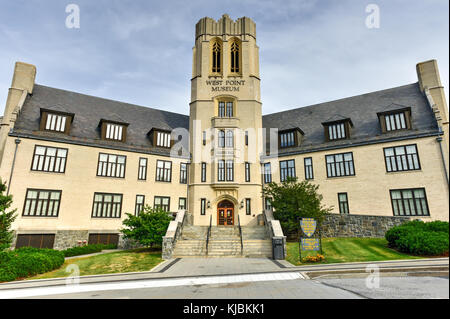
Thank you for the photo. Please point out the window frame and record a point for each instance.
(343, 163)
(345, 203)
(311, 168)
(267, 180)
(162, 206)
(142, 168)
(221, 170)
(103, 202)
(203, 172)
(44, 159)
(288, 170)
(37, 199)
(414, 199)
(183, 173)
(247, 172)
(141, 205)
(248, 207)
(179, 203)
(229, 170)
(116, 163)
(164, 169)
(202, 206)
(401, 158)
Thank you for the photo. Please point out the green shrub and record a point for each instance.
(88, 249)
(28, 261)
(419, 238)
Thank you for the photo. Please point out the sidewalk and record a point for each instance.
(216, 267)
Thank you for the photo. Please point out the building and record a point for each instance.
(77, 163)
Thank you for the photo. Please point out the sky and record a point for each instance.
(140, 52)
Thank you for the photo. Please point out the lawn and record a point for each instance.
(340, 250)
(109, 263)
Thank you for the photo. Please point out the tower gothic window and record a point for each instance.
(216, 56)
(235, 61)
(225, 109)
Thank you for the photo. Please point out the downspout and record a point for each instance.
(439, 140)
(17, 141)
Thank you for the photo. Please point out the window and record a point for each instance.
(182, 203)
(162, 202)
(246, 137)
(221, 139)
(183, 173)
(343, 203)
(114, 131)
(163, 139)
(110, 165)
(229, 109)
(35, 240)
(395, 121)
(163, 171)
(204, 137)
(409, 202)
(230, 170)
(287, 139)
(49, 159)
(55, 122)
(221, 109)
(142, 170)
(203, 172)
(234, 52)
(267, 173)
(336, 131)
(267, 204)
(216, 56)
(225, 109)
(42, 203)
(221, 170)
(140, 199)
(229, 139)
(309, 173)
(287, 169)
(107, 205)
(203, 206)
(248, 208)
(340, 165)
(401, 158)
(247, 171)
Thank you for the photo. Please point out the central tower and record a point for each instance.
(225, 123)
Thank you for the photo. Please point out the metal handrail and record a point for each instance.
(208, 233)
(240, 235)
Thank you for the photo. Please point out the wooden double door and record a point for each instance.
(225, 213)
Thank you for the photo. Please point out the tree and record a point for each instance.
(148, 228)
(6, 218)
(292, 200)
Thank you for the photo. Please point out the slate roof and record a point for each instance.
(361, 109)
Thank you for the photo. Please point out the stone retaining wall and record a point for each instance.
(336, 225)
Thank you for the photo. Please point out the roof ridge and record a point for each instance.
(106, 99)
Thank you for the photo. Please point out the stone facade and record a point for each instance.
(359, 225)
(69, 238)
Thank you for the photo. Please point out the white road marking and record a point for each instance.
(150, 283)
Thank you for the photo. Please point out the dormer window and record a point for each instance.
(290, 138)
(337, 128)
(160, 138)
(113, 131)
(55, 121)
(394, 120)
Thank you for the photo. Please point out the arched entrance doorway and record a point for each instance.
(225, 213)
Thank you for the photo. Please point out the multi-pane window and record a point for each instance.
(183, 173)
(221, 170)
(114, 131)
(229, 170)
(343, 203)
(248, 209)
(336, 131)
(340, 165)
(395, 121)
(203, 206)
(309, 172)
(409, 202)
(267, 173)
(204, 137)
(182, 203)
(287, 139)
(401, 158)
(140, 199)
(247, 171)
(42, 203)
(246, 137)
(229, 139)
(162, 139)
(221, 109)
(203, 172)
(234, 51)
(142, 170)
(162, 202)
(221, 139)
(49, 159)
(225, 109)
(107, 205)
(56, 122)
(287, 169)
(163, 171)
(216, 51)
(110, 165)
(268, 203)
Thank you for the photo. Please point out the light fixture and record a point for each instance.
(242, 204)
(208, 204)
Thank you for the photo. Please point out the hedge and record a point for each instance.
(88, 249)
(27, 261)
(419, 238)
